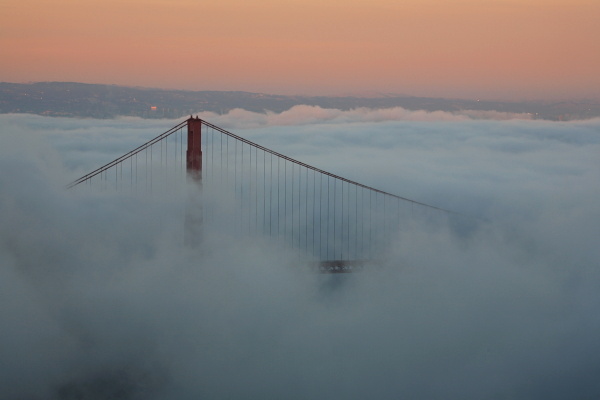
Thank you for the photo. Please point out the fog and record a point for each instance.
(100, 298)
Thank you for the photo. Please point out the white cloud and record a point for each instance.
(97, 293)
(304, 115)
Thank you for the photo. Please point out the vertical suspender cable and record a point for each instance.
(342, 225)
(292, 241)
(327, 225)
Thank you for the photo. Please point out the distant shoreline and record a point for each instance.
(71, 99)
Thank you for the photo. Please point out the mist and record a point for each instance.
(100, 298)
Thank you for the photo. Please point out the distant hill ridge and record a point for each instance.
(71, 99)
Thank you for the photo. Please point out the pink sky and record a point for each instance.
(492, 49)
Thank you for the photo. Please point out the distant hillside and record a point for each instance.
(108, 101)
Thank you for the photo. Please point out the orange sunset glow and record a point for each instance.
(495, 49)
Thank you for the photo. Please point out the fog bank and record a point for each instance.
(100, 298)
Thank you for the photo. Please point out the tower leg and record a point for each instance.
(194, 211)
(194, 149)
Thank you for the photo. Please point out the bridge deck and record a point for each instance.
(341, 266)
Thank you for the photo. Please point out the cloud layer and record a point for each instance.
(305, 114)
(99, 297)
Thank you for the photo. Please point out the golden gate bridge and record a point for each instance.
(339, 224)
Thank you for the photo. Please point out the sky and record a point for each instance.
(98, 294)
(489, 49)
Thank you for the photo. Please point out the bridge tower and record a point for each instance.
(194, 149)
(193, 218)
